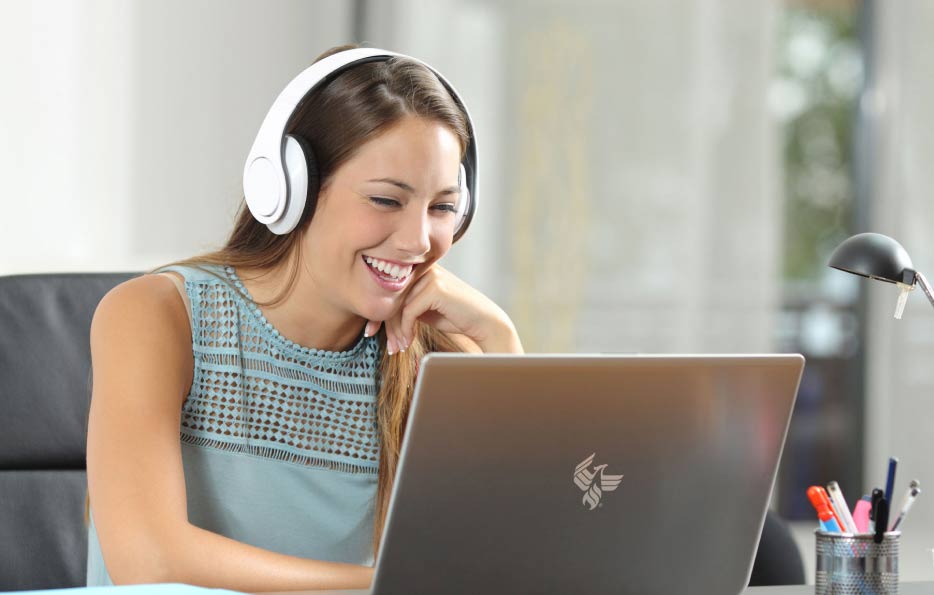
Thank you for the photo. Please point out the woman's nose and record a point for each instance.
(414, 236)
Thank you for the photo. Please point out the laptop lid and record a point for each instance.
(586, 473)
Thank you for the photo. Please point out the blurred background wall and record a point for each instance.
(899, 105)
(655, 177)
(125, 123)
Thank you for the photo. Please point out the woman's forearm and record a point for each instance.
(200, 557)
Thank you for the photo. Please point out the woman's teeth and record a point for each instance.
(388, 269)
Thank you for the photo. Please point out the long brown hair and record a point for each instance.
(335, 120)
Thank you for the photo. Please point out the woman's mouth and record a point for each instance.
(389, 276)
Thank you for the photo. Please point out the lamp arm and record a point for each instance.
(925, 287)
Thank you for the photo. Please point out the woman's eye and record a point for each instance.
(448, 207)
(384, 202)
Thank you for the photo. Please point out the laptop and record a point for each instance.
(622, 474)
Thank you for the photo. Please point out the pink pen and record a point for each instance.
(861, 514)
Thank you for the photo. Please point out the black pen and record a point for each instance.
(882, 520)
(877, 495)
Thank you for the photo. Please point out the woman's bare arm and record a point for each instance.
(142, 370)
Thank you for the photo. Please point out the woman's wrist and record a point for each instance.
(502, 338)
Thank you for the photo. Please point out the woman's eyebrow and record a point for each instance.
(395, 182)
(450, 190)
(409, 188)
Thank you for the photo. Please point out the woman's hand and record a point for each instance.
(447, 303)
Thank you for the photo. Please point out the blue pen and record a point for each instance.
(831, 526)
(890, 481)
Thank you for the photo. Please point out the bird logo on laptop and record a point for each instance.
(586, 481)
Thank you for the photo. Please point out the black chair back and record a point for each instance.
(778, 559)
(45, 369)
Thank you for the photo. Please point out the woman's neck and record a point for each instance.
(304, 316)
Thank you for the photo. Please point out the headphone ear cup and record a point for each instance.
(311, 168)
(463, 202)
(301, 174)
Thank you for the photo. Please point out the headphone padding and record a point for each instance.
(311, 167)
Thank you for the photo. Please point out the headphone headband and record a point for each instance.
(265, 184)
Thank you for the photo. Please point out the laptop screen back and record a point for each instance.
(592, 474)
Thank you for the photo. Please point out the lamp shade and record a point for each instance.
(874, 255)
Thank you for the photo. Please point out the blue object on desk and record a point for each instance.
(159, 589)
(890, 480)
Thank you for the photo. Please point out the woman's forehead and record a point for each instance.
(420, 148)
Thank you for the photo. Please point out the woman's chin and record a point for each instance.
(380, 312)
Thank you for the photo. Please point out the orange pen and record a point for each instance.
(821, 501)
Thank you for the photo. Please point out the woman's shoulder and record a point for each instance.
(196, 272)
(141, 351)
(149, 303)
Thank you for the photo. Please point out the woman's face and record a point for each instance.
(392, 201)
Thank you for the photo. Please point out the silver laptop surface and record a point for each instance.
(586, 474)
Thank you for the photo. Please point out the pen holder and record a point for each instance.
(857, 565)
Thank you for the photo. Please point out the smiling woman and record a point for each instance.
(356, 217)
(248, 404)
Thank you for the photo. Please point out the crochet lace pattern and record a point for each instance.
(256, 392)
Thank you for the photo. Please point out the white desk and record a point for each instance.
(925, 588)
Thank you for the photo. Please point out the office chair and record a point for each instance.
(778, 560)
(45, 368)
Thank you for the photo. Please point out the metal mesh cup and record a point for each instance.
(856, 565)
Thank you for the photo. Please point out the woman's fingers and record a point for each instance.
(431, 306)
(424, 300)
(442, 301)
(421, 299)
(395, 342)
(392, 342)
(372, 327)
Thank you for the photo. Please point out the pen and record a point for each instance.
(882, 519)
(890, 480)
(861, 514)
(910, 498)
(820, 494)
(828, 523)
(912, 485)
(874, 507)
(839, 505)
(821, 504)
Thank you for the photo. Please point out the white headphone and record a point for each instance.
(278, 168)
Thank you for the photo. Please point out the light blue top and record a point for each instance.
(279, 441)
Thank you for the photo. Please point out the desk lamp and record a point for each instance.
(880, 257)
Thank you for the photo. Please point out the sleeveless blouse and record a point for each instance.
(279, 442)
